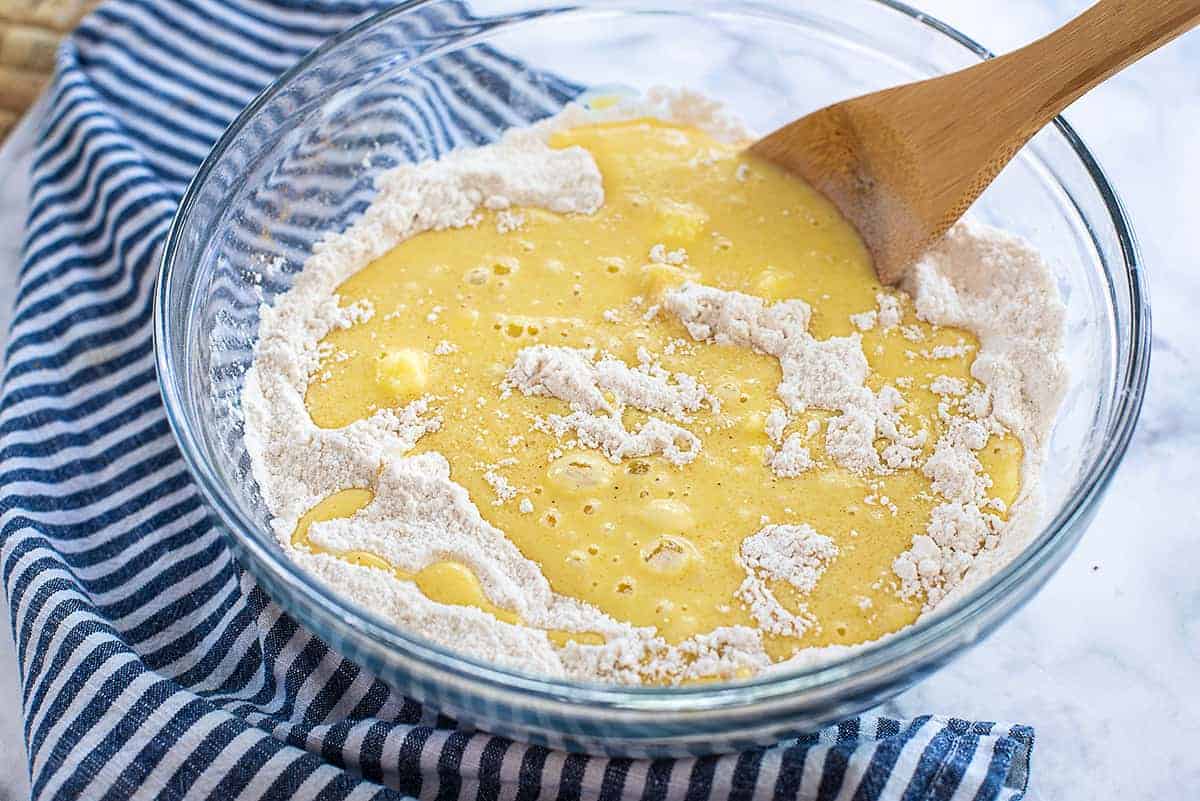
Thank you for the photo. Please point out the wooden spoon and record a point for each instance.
(905, 163)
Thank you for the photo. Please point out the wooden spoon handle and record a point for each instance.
(1049, 74)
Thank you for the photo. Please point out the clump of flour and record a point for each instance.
(796, 555)
(792, 458)
(886, 317)
(599, 391)
(977, 279)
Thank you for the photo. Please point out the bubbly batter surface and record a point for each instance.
(646, 541)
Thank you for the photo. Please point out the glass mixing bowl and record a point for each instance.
(427, 76)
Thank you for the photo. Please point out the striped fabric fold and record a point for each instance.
(152, 666)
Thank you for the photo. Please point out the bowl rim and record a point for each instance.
(918, 642)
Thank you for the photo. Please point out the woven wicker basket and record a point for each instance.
(29, 34)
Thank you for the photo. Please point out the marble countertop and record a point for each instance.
(1104, 660)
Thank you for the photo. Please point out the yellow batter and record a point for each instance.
(645, 541)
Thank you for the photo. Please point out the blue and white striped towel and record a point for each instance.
(152, 666)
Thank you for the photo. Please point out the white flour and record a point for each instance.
(573, 375)
(797, 555)
(977, 279)
(792, 458)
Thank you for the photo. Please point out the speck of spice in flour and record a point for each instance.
(976, 278)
